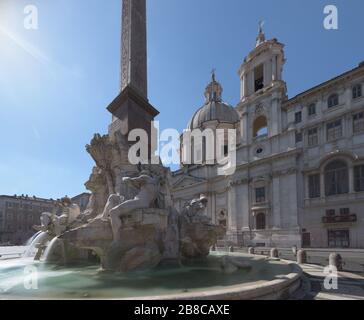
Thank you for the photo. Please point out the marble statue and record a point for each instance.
(116, 207)
(195, 208)
(53, 224)
(56, 224)
(196, 231)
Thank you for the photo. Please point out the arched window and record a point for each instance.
(260, 127)
(333, 100)
(260, 221)
(336, 178)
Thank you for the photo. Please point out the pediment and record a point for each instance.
(187, 180)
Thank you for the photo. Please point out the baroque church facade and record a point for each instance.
(299, 179)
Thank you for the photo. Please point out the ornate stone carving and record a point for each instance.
(100, 150)
(285, 172)
(259, 110)
(148, 186)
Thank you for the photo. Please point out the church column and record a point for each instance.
(244, 128)
(322, 185)
(276, 201)
(267, 70)
(232, 214)
(250, 80)
(279, 68)
(244, 204)
(293, 204)
(244, 87)
(351, 179)
(274, 68)
(274, 123)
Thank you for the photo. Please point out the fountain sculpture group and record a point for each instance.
(130, 222)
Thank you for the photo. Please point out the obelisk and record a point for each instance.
(131, 108)
(134, 46)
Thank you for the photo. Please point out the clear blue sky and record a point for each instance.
(56, 82)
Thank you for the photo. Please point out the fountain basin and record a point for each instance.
(200, 279)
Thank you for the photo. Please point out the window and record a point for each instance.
(358, 122)
(334, 130)
(226, 150)
(357, 91)
(313, 137)
(344, 212)
(330, 213)
(299, 137)
(339, 238)
(359, 178)
(259, 151)
(314, 186)
(298, 117)
(333, 101)
(260, 221)
(306, 240)
(260, 195)
(260, 127)
(259, 78)
(336, 178)
(312, 109)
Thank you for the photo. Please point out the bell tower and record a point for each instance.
(263, 67)
(262, 90)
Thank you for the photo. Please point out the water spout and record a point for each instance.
(55, 251)
(39, 240)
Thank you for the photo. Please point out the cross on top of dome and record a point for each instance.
(214, 89)
(261, 35)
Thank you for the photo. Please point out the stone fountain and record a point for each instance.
(140, 229)
(136, 228)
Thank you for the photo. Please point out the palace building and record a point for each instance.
(18, 215)
(300, 161)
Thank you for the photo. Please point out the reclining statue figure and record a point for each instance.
(148, 187)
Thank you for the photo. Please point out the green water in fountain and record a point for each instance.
(88, 281)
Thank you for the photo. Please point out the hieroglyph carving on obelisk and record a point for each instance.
(134, 46)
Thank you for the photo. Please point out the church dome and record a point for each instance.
(214, 108)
